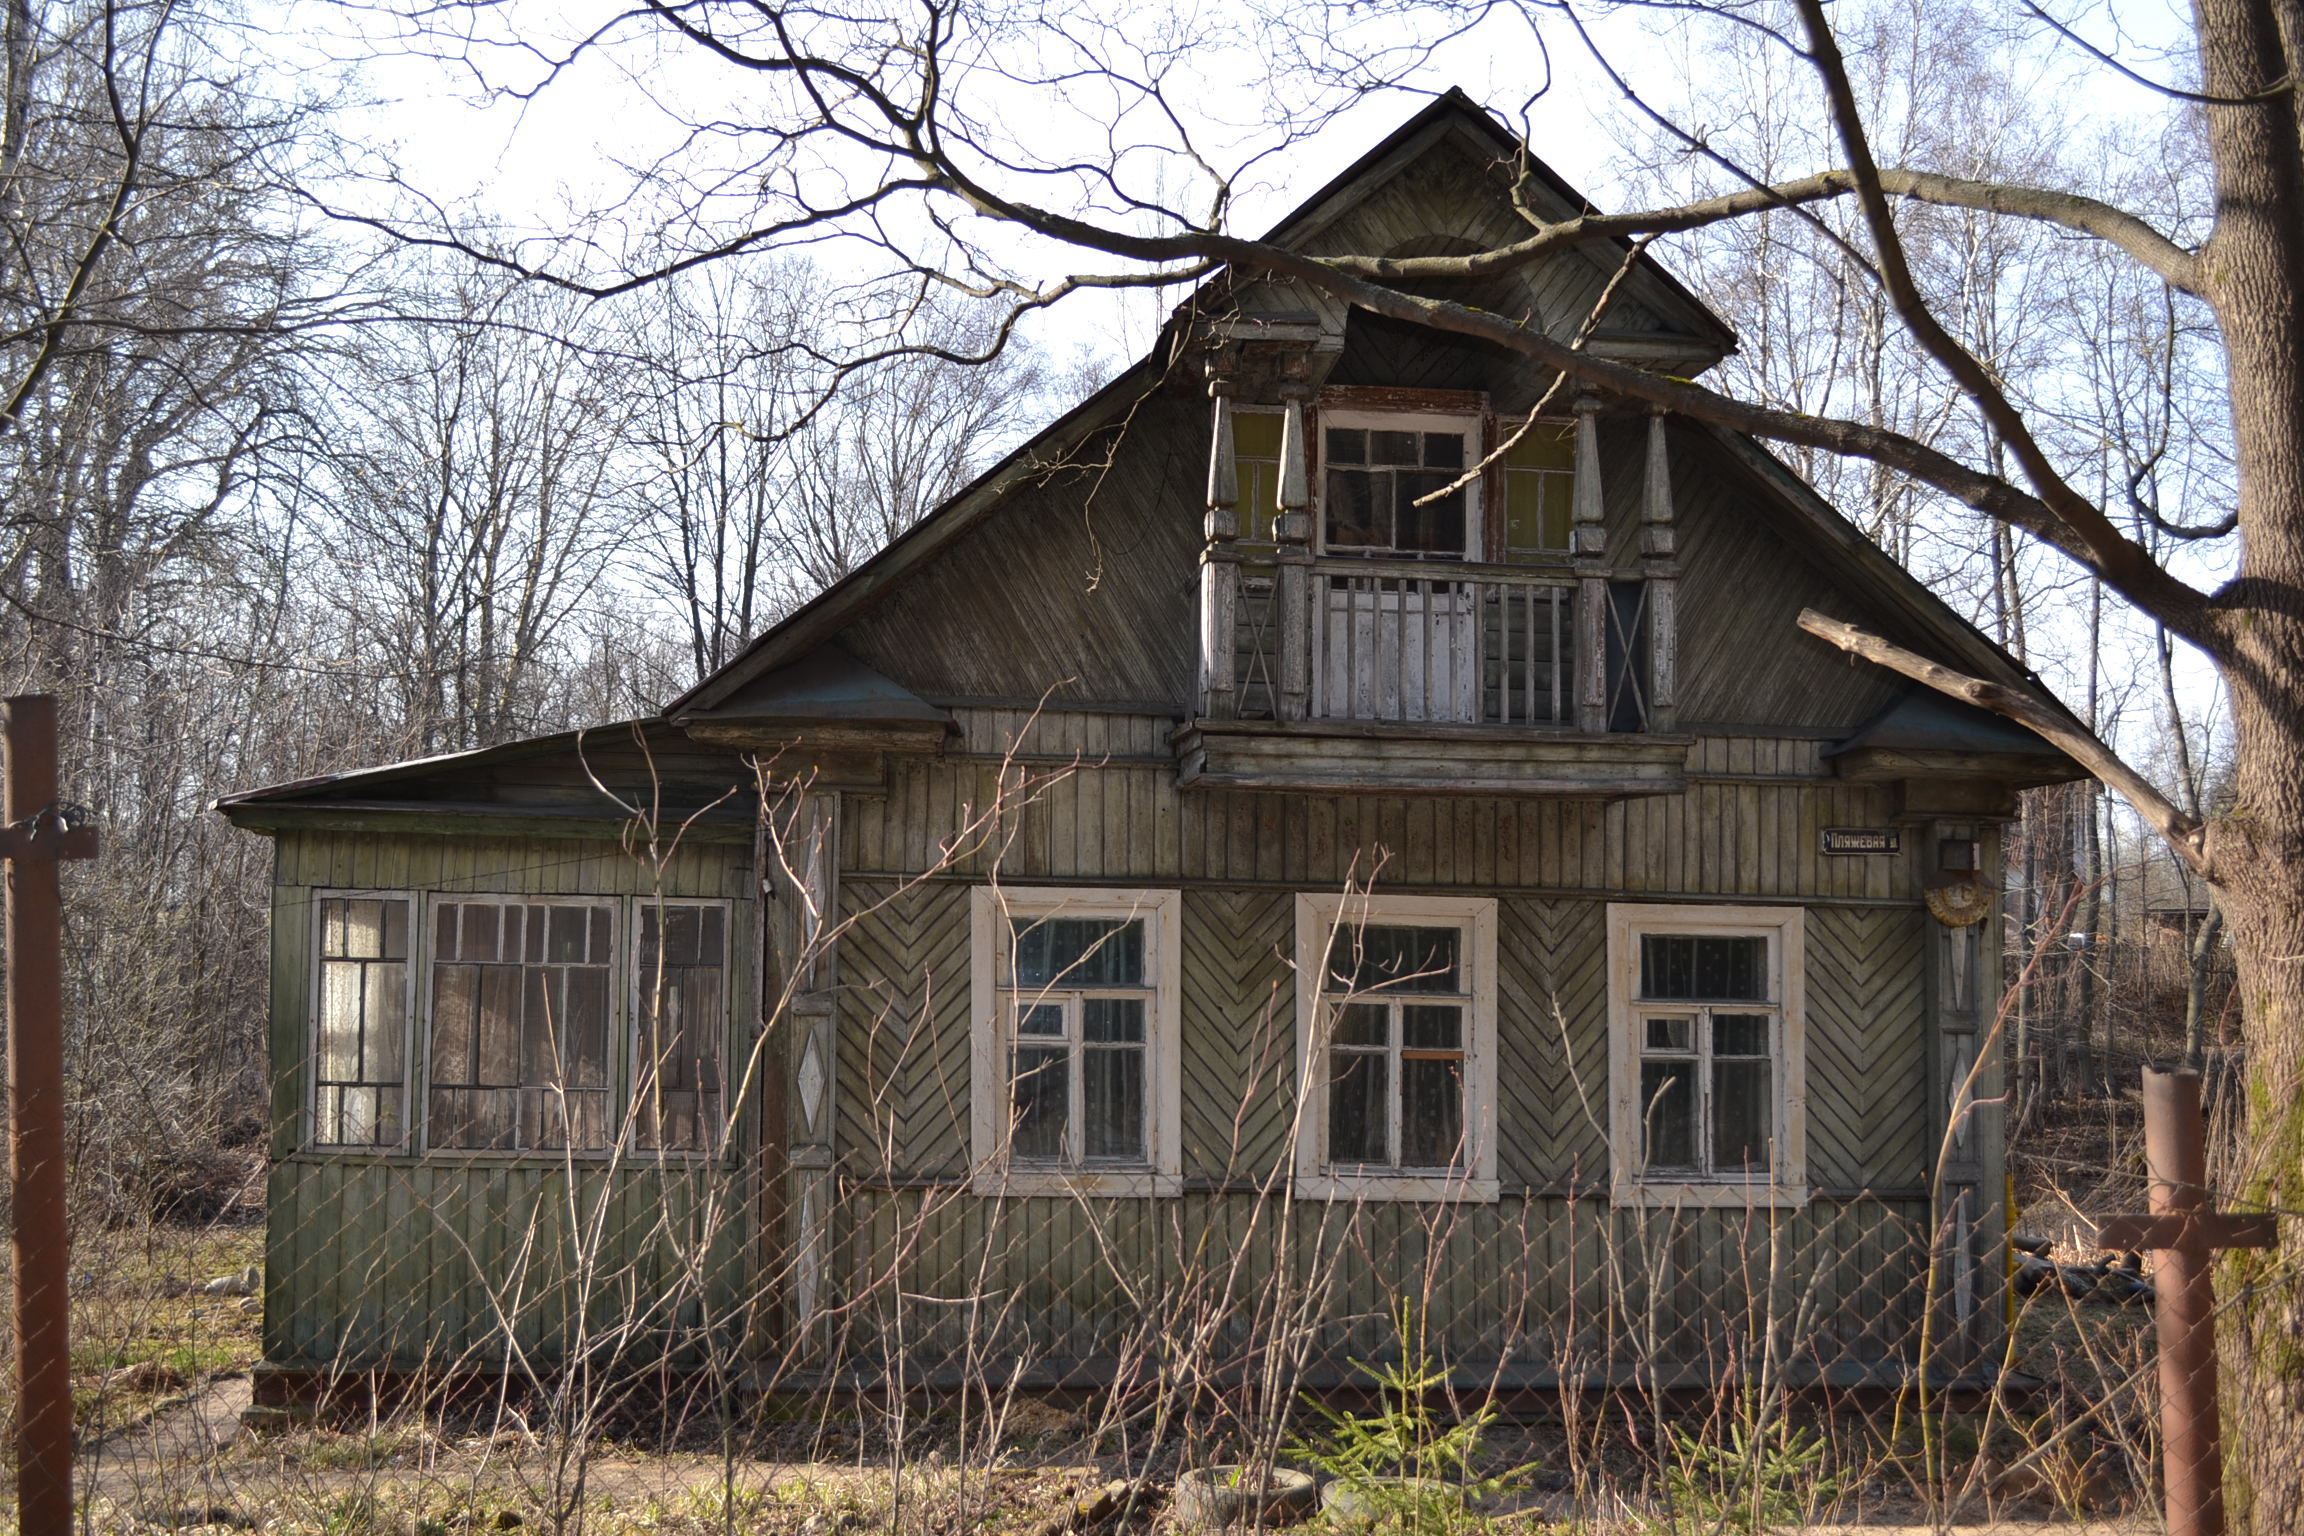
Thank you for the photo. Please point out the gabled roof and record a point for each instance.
(1452, 113)
(1855, 561)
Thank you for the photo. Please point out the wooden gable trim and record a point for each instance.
(1454, 113)
(840, 604)
(1875, 578)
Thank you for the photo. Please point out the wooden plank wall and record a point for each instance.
(1547, 1264)
(1518, 1283)
(1093, 797)
(404, 1260)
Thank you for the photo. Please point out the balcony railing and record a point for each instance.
(1416, 642)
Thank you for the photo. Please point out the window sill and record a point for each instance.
(1709, 1195)
(1400, 1186)
(1118, 1183)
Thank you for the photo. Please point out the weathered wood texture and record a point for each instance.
(904, 1043)
(1530, 1283)
(1080, 587)
(453, 1259)
(1097, 801)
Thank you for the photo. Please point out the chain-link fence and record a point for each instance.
(472, 1345)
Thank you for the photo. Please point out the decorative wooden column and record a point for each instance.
(1591, 552)
(1292, 531)
(1661, 568)
(1220, 563)
(1968, 1162)
(800, 891)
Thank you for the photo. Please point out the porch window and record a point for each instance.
(360, 1022)
(1706, 1053)
(680, 1020)
(1076, 1063)
(521, 1020)
(1539, 492)
(1256, 472)
(1376, 469)
(1396, 1034)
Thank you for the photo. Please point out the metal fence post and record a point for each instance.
(36, 839)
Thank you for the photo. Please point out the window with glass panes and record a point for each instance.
(680, 983)
(1539, 473)
(1397, 1001)
(360, 1027)
(1708, 1022)
(520, 1026)
(1256, 472)
(1372, 481)
(1076, 997)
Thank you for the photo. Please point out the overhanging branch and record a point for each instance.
(2036, 713)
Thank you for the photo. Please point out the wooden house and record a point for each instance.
(1309, 824)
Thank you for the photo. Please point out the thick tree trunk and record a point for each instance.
(2254, 265)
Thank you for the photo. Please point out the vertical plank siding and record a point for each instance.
(500, 1263)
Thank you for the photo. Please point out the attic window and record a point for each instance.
(1256, 469)
(1376, 473)
(1539, 492)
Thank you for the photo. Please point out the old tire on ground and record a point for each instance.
(1363, 1504)
(1215, 1498)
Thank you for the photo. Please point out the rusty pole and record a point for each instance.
(2176, 1156)
(36, 1121)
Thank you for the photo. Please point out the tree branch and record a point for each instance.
(2036, 713)
(2173, 264)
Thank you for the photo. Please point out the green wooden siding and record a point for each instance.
(492, 1260)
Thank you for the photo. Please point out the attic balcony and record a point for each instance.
(1348, 674)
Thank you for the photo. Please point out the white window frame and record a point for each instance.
(991, 913)
(1785, 929)
(410, 1061)
(1470, 426)
(620, 1028)
(1318, 916)
(627, 1131)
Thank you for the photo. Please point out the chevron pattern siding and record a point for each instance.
(1239, 1031)
(1868, 1107)
(903, 1085)
(1552, 1043)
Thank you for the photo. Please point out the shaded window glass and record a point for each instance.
(1079, 952)
(1668, 1034)
(1112, 1020)
(1374, 483)
(1347, 445)
(681, 990)
(1740, 1034)
(1357, 1107)
(1429, 527)
(1703, 967)
(1741, 1115)
(1112, 1103)
(1351, 505)
(1395, 958)
(361, 1032)
(520, 1057)
(1668, 1114)
(1042, 1104)
(1426, 1028)
(1363, 1024)
(1431, 1111)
